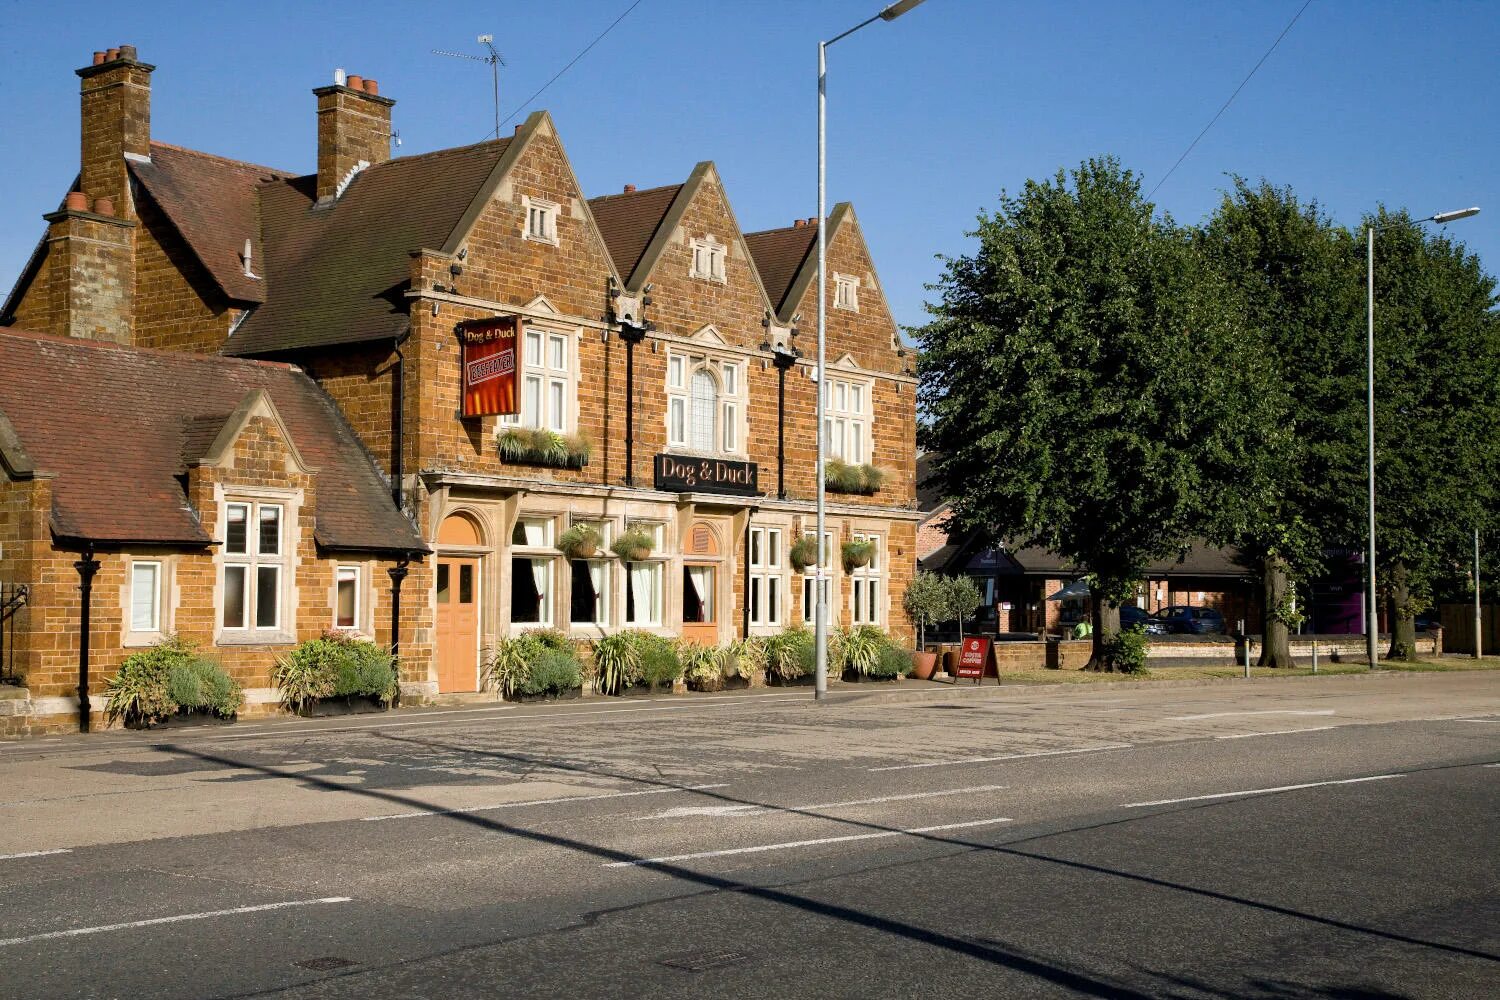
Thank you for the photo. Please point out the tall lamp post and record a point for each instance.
(1372, 608)
(820, 633)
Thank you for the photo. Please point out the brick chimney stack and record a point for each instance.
(354, 132)
(115, 95)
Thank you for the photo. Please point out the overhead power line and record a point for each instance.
(1232, 96)
(556, 76)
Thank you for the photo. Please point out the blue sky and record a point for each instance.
(931, 116)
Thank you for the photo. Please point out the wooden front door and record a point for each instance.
(457, 624)
(700, 611)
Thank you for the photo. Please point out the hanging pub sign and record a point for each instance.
(489, 360)
(684, 474)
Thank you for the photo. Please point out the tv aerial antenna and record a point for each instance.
(495, 62)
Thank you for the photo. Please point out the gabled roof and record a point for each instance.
(628, 222)
(115, 427)
(212, 201)
(805, 272)
(779, 254)
(337, 273)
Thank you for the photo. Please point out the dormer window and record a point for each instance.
(541, 220)
(708, 259)
(846, 292)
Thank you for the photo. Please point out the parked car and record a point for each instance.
(1134, 617)
(1185, 619)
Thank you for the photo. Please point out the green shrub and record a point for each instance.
(893, 661)
(617, 662)
(553, 672)
(138, 693)
(335, 665)
(660, 663)
(791, 654)
(200, 683)
(1127, 650)
(927, 603)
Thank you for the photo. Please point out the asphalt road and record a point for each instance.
(1327, 837)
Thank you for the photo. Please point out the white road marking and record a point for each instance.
(35, 854)
(1475, 720)
(1275, 732)
(750, 809)
(1273, 711)
(1009, 756)
(759, 848)
(80, 931)
(541, 802)
(1257, 791)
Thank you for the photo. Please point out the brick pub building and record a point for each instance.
(238, 391)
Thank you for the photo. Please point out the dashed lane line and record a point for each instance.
(558, 800)
(177, 919)
(1257, 791)
(35, 854)
(1009, 756)
(792, 844)
(751, 809)
(1275, 732)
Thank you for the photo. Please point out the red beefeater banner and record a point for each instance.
(489, 360)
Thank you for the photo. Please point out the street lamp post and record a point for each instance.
(1372, 608)
(820, 627)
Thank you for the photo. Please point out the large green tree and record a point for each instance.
(1084, 383)
(1437, 412)
(1297, 285)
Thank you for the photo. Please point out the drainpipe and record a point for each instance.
(398, 429)
(398, 573)
(86, 567)
(631, 335)
(783, 359)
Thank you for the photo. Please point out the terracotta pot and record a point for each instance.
(923, 665)
(76, 201)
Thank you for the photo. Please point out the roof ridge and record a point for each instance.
(11, 331)
(638, 191)
(440, 152)
(782, 229)
(278, 172)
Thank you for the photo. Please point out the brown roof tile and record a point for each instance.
(337, 274)
(628, 221)
(117, 425)
(212, 202)
(778, 256)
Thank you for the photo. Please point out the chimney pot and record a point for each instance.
(371, 87)
(104, 206)
(111, 55)
(798, 223)
(356, 82)
(98, 58)
(812, 220)
(518, 129)
(127, 52)
(76, 201)
(629, 188)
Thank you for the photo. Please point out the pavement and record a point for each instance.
(1323, 837)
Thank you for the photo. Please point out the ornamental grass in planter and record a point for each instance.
(537, 446)
(511, 667)
(703, 666)
(790, 656)
(170, 680)
(849, 477)
(336, 666)
(633, 544)
(581, 541)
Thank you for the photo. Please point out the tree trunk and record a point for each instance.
(1275, 647)
(1404, 620)
(1106, 618)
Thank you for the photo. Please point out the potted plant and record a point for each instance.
(634, 544)
(581, 541)
(963, 600)
(857, 552)
(926, 602)
(803, 553)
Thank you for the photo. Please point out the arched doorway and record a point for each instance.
(700, 585)
(457, 565)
